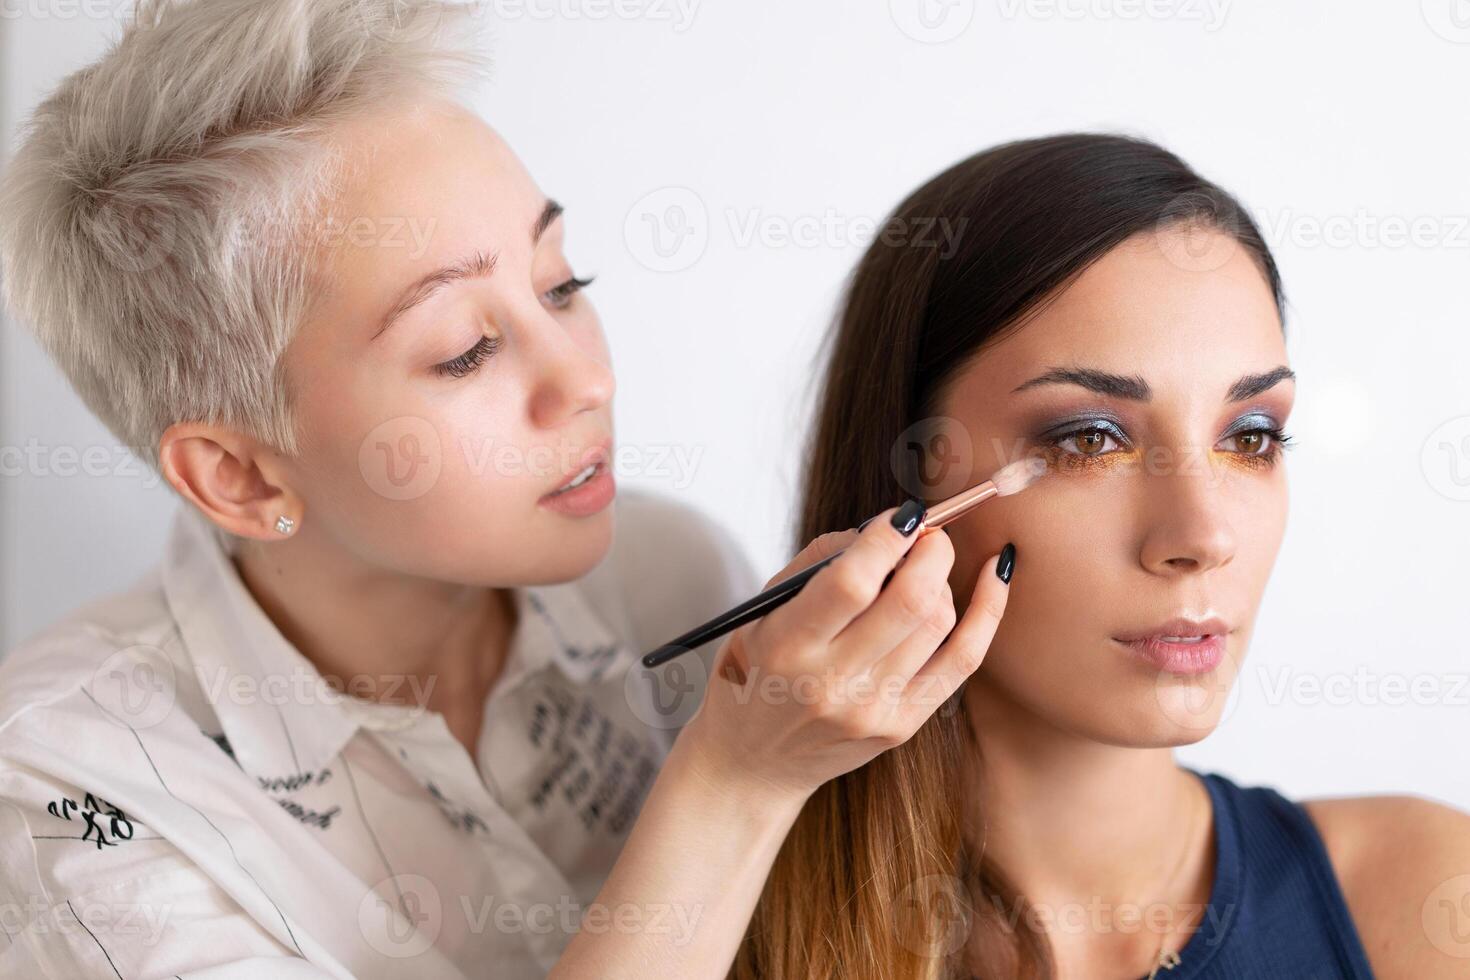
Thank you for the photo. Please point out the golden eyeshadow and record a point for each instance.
(1062, 461)
(1255, 461)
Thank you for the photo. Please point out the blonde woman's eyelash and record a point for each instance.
(561, 294)
(471, 359)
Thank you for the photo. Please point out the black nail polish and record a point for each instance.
(1006, 564)
(906, 519)
(866, 523)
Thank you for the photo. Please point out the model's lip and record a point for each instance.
(1180, 626)
(596, 456)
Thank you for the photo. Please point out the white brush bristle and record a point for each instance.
(1017, 476)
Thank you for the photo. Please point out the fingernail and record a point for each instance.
(1006, 564)
(906, 519)
(866, 523)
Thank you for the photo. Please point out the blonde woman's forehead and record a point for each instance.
(427, 157)
(441, 185)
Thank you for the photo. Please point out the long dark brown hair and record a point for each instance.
(877, 859)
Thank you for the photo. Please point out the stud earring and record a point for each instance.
(284, 524)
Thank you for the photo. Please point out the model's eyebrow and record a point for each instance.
(1102, 382)
(1134, 388)
(1251, 385)
(477, 265)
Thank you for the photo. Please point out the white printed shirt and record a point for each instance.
(181, 795)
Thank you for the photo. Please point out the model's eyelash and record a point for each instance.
(1279, 437)
(1280, 441)
(462, 365)
(1093, 425)
(561, 294)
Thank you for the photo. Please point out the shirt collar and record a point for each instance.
(558, 626)
(278, 713)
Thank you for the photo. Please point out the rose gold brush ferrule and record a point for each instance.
(959, 505)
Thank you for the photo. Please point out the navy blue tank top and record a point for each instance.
(1276, 909)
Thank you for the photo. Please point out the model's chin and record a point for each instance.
(1183, 709)
(1163, 736)
(1151, 726)
(1160, 711)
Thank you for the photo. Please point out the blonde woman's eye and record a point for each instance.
(466, 363)
(559, 297)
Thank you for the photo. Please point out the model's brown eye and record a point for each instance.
(1251, 442)
(1261, 441)
(1090, 442)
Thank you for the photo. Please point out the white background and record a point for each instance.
(1333, 121)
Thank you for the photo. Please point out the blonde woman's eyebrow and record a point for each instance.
(478, 265)
(1135, 388)
(475, 266)
(549, 213)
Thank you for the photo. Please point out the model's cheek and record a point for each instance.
(1047, 515)
(1261, 529)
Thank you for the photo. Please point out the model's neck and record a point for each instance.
(1089, 831)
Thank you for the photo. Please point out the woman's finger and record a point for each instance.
(961, 655)
(902, 608)
(839, 593)
(900, 665)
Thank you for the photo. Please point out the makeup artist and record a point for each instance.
(378, 711)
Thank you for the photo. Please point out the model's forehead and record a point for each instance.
(1142, 308)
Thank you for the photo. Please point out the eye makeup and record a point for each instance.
(1098, 439)
(1258, 430)
(912, 518)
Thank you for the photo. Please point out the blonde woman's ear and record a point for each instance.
(236, 481)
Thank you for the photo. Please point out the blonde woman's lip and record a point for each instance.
(587, 489)
(585, 498)
(600, 453)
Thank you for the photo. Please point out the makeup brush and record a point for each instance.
(1009, 479)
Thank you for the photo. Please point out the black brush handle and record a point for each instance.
(773, 598)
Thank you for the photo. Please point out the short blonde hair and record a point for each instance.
(143, 218)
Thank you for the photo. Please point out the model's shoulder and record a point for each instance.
(1371, 832)
(1403, 862)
